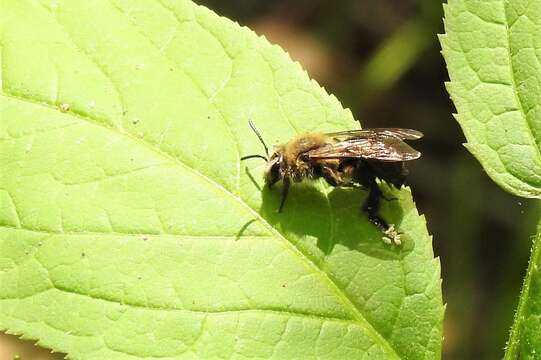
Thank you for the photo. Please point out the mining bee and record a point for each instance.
(354, 158)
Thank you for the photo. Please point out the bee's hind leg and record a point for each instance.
(371, 208)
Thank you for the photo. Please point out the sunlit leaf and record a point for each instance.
(129, 227)
(491, 49)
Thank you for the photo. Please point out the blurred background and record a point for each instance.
(382, 60)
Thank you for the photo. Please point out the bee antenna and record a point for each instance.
(260, 139)
(254, 156)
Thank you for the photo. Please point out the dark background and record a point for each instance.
(382, 60)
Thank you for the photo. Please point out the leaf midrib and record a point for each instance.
(514, 82)
(310, 264)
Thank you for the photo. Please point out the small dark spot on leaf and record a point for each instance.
(83, 254)
(171, 69)
(284, 285)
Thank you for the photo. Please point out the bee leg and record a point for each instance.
(331, 177)
(371, 208)
(392, 198)
(285, 190)
(354, 186)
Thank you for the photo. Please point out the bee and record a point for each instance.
(354, 158)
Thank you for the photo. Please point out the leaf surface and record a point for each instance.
(129, 227)
(492, 54)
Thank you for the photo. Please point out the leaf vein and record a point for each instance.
(204, 312)
(144, 236)
(98, 66)
(192, 79)
(514, 84)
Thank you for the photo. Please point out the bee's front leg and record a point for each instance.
(285, 190)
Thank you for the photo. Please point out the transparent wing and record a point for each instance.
(379, 148)
(398, 133)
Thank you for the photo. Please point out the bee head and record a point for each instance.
(273, 171)
(276, 164)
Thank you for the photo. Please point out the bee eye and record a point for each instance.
(273, 171)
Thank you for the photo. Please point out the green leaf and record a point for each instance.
(129, 227)
(491, 49)
(525, 340)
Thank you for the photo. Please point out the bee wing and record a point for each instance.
(390, 149)
(402, 134)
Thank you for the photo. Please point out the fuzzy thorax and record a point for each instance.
(291, 157)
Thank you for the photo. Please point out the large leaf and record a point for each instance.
(492, 53)
(131, 229)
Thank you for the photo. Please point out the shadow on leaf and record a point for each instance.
(335, 221)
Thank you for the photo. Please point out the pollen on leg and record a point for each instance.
(392, 236)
